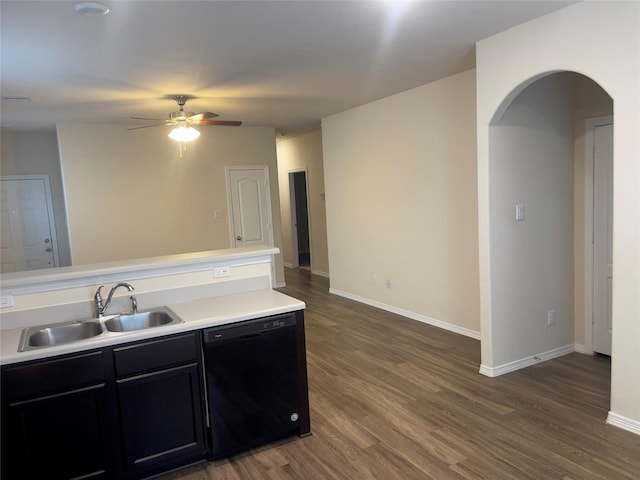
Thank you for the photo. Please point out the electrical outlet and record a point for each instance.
(6, 301)
(551, 317)
(221, 271)
(388, 283)
(374, 279)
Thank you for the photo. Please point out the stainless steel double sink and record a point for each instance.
(67, 332)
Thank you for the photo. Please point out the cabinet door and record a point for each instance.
(162, 420)
(57, 437)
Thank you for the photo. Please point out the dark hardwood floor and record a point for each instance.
(392, 398)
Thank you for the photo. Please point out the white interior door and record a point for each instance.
(602, 236)
(250, 204)
(27, 232)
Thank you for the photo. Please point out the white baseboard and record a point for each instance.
(406, 313)
(581, 349)
(526, 362)
(625, 423)
(313, 271)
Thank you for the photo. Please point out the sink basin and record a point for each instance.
(139, 321)
(58, 334)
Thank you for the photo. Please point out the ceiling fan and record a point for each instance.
(185, 120)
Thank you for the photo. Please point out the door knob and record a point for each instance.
(238, 237)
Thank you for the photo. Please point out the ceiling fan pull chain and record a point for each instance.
(182, 148)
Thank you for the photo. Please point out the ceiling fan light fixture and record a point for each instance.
(184, 134)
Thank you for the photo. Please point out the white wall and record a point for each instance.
(130, 195)
(532, 268)
(295, 153)
(400, 179)
(31, 153)
(602, 41)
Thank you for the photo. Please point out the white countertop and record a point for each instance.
(196, 314)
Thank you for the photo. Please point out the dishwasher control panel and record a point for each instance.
(249, 327)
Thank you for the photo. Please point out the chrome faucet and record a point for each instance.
(101, 306)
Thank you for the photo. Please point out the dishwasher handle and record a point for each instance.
(249, 336)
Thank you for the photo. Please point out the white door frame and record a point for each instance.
(227, 171)
(590, 125)
(52, 218)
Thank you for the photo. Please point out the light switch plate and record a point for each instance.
(520, 211)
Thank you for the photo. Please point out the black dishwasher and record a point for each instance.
(252, 383)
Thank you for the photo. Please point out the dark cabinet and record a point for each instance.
(55, 420)
(162, 414)
(129, 411)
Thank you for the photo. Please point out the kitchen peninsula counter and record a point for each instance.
(196, 314)
(203, 288)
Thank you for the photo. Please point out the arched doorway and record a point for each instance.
(506, 64)
(537, 207)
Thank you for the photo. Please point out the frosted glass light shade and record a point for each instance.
(184, 134)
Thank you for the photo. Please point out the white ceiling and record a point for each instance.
(285, 64)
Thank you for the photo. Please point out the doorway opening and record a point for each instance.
(542, 221)
(300, 237)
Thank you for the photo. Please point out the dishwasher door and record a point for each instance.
(252, 383)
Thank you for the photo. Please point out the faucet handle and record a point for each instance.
(98, 302)
(98, 295)
(134, 304)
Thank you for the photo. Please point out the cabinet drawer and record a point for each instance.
(156, 354)
(53, 376)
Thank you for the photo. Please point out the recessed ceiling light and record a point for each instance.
(91, 9)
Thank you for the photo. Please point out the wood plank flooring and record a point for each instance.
(392, 398)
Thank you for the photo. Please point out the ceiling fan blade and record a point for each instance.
(150, 119)
(202, 116)
(227, 123)
(147, 126)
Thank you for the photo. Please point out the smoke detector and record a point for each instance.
(91, 9)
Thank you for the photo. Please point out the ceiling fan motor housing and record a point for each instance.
(180, 115)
